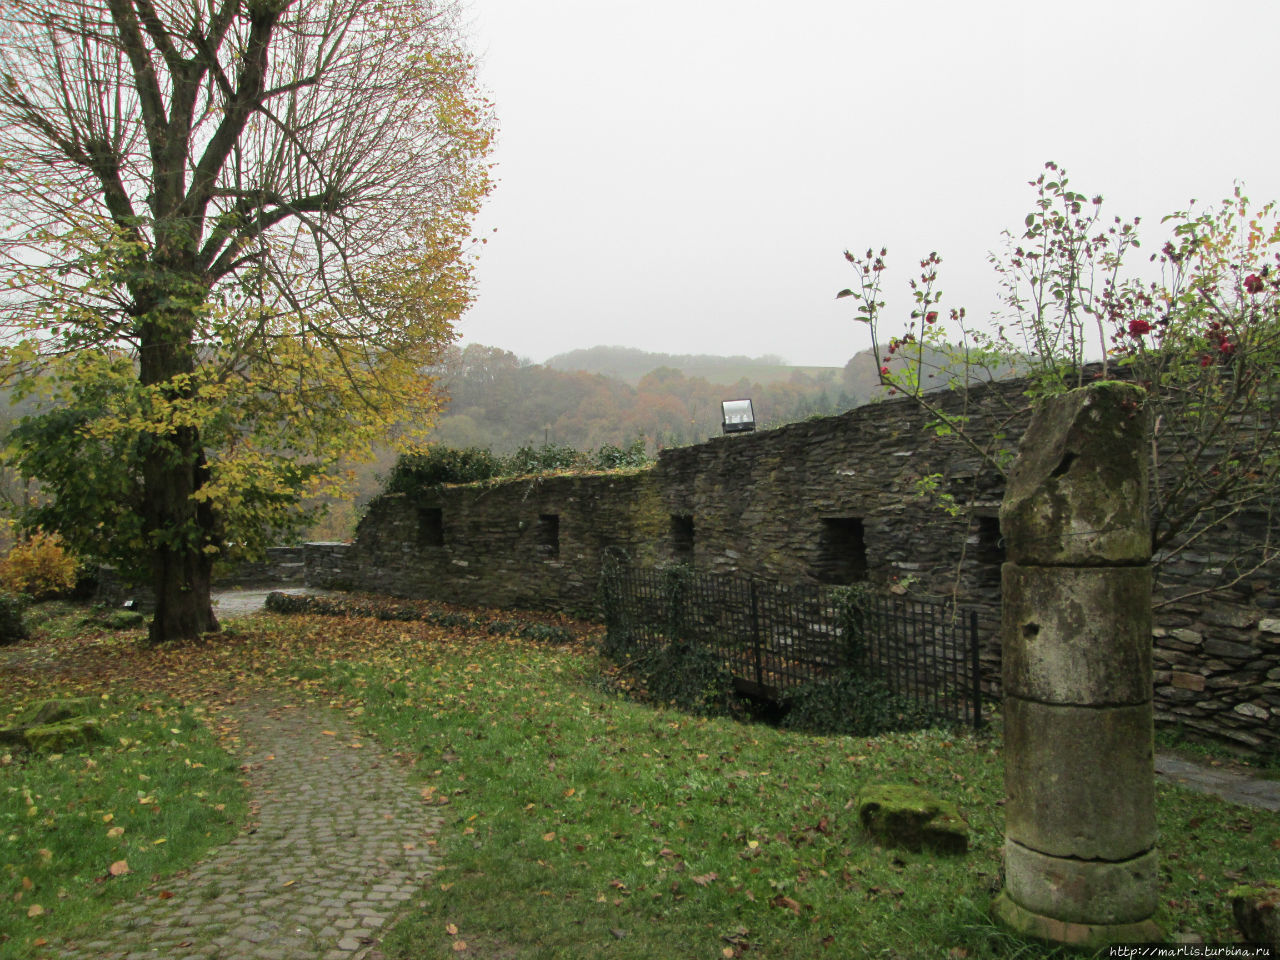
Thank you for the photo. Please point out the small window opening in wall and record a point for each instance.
(842, 551)
(989, 553)
(548, 535)
(430, 527)
(682, 537)
(990, 543)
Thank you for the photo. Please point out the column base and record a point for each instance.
(1022, 921)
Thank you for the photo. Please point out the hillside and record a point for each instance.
(631, 365)
(587, 398)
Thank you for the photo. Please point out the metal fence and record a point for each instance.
(775, 637)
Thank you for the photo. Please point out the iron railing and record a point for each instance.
(776, 637)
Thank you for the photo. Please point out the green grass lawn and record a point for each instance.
(580, 824)
(87, 829)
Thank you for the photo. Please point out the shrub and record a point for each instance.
(611, 457)
(12, 626)
(545, 633)
(693, 679)
(414, 472)
(39, 567)
(544, 459)
(851, 704)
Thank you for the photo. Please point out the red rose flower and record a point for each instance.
(1138, 327)
(1253, 283)
(931, 316)
(884, 370)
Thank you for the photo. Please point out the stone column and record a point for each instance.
(1080, 831)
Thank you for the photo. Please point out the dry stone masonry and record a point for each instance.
(829, 500)
(1080, 830)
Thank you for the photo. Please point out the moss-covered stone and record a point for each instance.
(1256, 909)
(64, 736)
(55, 726)
(56, 710)
(912, 818)
(12, 737)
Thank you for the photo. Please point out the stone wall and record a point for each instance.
(536, 542)
(833, 499)
(282, 565)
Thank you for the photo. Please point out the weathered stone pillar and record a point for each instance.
(1080, 831)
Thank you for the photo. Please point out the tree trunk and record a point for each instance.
(182, 532)
(179, 529)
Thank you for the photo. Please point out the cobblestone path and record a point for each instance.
(339, 841)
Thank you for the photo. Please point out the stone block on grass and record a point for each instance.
(913, 819)
(55, 726)
(55, 711)
(64, 736)
(1257, 912)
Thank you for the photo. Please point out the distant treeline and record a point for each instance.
(500, 402)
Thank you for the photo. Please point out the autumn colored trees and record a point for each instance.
(233, 237)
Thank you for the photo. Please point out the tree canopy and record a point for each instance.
(234, 235)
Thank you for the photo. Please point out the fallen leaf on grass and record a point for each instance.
(34, 910)
(459, 945)
(119, 868)
(786, 903)
(706, 878)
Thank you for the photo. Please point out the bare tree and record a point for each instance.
(249, 217)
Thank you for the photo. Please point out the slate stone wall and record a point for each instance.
(282, 565)
(536, 542)
(830, 499)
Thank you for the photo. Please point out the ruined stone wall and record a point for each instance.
(832, 499)
(535, 542)
(281, 565)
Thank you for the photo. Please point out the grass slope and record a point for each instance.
(581, 824)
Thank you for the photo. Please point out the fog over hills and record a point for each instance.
(630, 365)
(600, 395)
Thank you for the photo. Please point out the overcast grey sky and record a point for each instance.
(683, 175)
